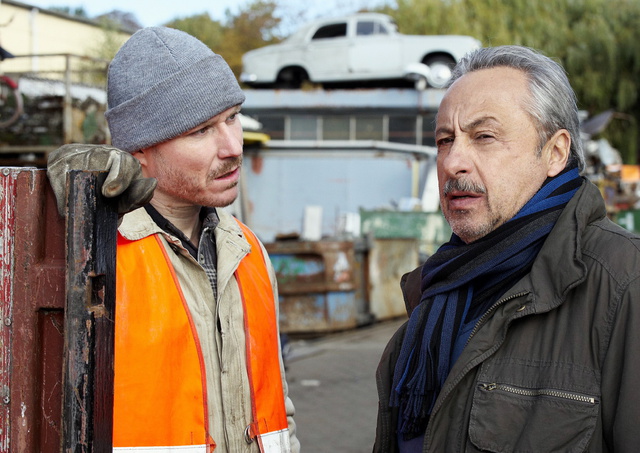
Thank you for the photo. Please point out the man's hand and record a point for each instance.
(124, 181)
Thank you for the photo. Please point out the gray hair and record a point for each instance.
(553, 103)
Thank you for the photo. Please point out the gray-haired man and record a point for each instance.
(524, 328)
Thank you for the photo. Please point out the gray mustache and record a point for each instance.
(462, 185)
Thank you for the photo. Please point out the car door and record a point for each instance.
(327, 53)
(375, 51)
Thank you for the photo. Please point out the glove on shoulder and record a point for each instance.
(124, 182)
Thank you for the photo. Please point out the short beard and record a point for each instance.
(468, 233)
(180, 186)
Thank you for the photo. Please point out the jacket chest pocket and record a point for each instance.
(534, 407)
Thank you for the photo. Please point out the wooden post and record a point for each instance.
(89, 317)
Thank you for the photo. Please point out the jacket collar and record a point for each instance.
(138, 224)
(230, 243)
(560, 266)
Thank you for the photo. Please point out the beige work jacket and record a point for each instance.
(223, 347)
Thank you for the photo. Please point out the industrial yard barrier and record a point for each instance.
(56, 345)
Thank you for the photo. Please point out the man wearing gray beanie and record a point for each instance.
(197, 354)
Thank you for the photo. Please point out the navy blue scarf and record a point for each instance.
(459, 284)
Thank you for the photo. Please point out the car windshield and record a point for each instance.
(331, 31)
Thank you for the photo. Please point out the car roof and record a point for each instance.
(301, 32)
(346, 17)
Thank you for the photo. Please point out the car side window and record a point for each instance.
(369, 27)
(331, 31)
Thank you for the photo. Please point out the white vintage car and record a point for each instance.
(363, 47)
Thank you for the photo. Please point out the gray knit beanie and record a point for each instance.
(163, 82)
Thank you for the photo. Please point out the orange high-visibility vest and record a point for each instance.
(160, 391)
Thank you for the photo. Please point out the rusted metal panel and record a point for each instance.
(51, 329)
(32, 304)
(430, 228)
(317, 284)
(388, 261)
(33, 318)
(317, 312)
(7, 225)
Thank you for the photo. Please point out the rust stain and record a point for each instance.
(257, 162)
(99, 311)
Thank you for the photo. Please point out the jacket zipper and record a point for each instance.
(481, 321)
(491, 309)
(539, 392)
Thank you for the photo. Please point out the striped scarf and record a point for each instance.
(459, 284)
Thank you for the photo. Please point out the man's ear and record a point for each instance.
(140, 155)
(143, 157)
(556, 151)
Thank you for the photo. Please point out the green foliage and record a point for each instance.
(202, 27)
(597, 41)
(254, 26)
(120, 19)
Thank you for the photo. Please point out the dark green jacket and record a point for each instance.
(554, 365)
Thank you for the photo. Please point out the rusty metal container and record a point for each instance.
(57, 294)
(318, 284)
(388, 260)
(399, 242)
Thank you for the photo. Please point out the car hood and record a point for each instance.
(261, 51)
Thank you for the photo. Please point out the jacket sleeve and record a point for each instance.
(293, 439)
(620, 372)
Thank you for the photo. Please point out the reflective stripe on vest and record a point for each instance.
(181, 449)
(270, 425)
(155, 336)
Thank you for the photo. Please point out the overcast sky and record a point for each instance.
(158, 12)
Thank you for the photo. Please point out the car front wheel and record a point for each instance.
(291, 78)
